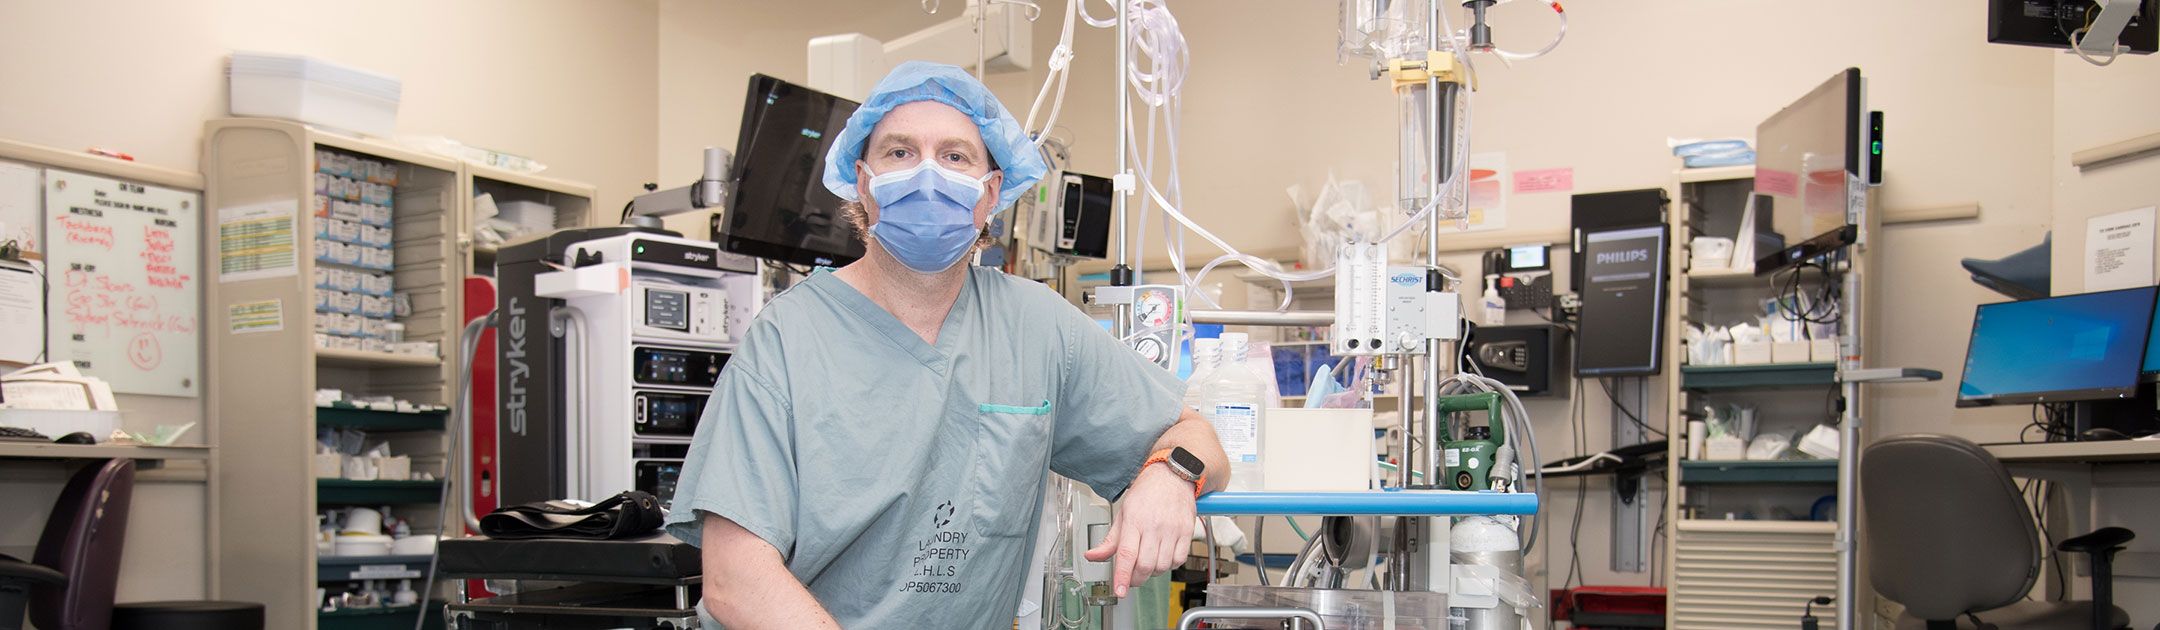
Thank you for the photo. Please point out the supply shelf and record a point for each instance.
(1769, 375)
(1381, 503)
(1759, 472)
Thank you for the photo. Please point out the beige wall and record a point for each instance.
(570, 83)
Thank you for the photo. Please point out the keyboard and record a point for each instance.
(19, 434)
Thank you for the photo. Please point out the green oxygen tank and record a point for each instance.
(1468, 460)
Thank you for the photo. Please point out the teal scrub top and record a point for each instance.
(902, 480)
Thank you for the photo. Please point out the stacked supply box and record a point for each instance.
(354, 255)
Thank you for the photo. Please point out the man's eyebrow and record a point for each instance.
(973, 148)
(894, 138)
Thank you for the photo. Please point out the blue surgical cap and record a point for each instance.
(923, 81)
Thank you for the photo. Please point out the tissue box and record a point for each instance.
(1317, 450)
(329, 465)
(1823, 350)
(1789, 352)
(1725, 447)
(1751, 353)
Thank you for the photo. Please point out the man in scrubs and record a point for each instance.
(873, 456)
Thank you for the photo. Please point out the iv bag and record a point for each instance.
(1382, 29)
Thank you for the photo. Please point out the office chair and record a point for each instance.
(1949, 536)
(71, 584)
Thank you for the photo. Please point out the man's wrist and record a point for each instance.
(1159, 461)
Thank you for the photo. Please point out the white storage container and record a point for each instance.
(313, 91)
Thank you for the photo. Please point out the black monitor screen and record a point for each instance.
(1623, 301)
(2074, 347)
(780, 209)
(1808, 155)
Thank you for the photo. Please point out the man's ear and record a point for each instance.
(992, 192)
(862, 180)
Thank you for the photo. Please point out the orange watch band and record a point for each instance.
(1163, 457)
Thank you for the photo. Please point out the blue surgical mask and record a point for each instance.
(926, 215)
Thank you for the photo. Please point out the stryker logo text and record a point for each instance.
(520, 372)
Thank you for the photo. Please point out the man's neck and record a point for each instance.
(919, 300)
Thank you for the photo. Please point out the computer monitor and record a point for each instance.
(1808, 158)
(781, 209)
(2152, 352)
(2088, 346)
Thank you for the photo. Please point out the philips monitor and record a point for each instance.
(1808, 159)
(781, 210)
(1623, 299)
(2081, 347)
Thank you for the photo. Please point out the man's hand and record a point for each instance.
(1152, 532)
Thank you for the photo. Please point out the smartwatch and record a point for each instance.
(1184, 464)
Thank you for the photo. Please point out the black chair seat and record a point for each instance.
(188, 616)
(12, 569)
(2029, 615)
(2103, 539)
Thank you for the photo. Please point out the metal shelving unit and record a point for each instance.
(262, 383)
(1704, 378)
(1791, 560)
(1806, 471)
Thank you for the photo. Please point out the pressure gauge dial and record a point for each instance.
(1153, 309)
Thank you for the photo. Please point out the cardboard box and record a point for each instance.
(1751, 353)
(329, 465)
(1317, 450)
(1789, 352)
(1823, 350)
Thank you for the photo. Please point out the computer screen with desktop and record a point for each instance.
(2089, 346)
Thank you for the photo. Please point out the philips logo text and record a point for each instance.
(1629, 256)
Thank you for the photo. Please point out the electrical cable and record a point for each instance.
(1582, 493)
(1631, 416)
(1509, 56)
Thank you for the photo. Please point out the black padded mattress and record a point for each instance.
(659, 558)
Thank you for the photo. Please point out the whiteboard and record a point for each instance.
(122, 260)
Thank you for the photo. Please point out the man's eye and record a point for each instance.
(956, 158)
(901, 154)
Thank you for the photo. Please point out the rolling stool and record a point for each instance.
(70, 585)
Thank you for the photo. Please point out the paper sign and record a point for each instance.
(1770, 181)
(2119, 250)
(22, 313)
(1545, 180)
(22, 211)
(256, 317)
(258, 241)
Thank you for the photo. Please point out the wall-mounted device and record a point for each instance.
(1591, 212)
(1622, 329)
(1525, 275)
(2052, 23)
(608, 342)
(1531, 360)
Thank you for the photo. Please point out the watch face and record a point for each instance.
(1187, 461)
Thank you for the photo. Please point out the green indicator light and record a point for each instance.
(641, 249)
(1878, 147)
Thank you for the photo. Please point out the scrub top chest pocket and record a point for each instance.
(1011, 451)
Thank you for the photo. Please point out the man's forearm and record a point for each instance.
(1198, 437)
(748, 587)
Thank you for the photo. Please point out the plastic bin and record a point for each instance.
(313, 91)
(1339, 609)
